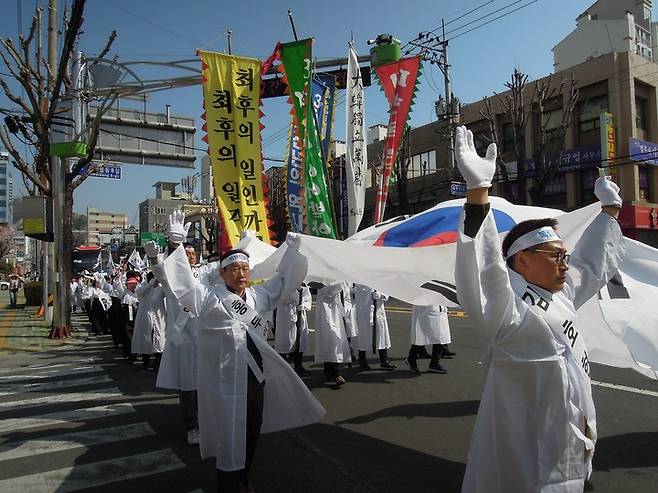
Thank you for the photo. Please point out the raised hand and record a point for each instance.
(607, 192)
(152, 249)
(477, 171)
(177, 227)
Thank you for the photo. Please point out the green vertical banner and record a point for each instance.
(296, 61)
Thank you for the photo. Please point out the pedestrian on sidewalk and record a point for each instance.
(15, 283)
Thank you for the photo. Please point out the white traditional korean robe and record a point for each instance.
(149, 334)
(370, 312)
(178, 368)
(224, 361)
(430, 325)
(331, 344)
(350, 312)
(530, 431)
(291, 315)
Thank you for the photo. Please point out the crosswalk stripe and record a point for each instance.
(59, 443)
(59, 384)
(63, 417)
(55, 373)
(59, 399)
(40, 368)
(95, 474)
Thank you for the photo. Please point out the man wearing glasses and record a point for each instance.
(536, 425)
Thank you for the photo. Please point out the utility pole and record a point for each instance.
(228, 39)
(449, 100)
(47, 248)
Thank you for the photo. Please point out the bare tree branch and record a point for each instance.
(19, 162)
(107, 48)
(72, 30)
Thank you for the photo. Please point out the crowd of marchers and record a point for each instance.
(235, 349)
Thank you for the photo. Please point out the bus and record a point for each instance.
(85, 257)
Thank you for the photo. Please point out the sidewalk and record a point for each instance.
(22, 330)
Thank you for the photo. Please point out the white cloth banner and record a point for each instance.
(356, 158)
(621, 323)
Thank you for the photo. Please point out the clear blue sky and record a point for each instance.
(166, 30)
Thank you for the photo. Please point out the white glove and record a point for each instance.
(477, 171)
(152, 249)
(607, 191)
(293, 240)
(177, 227)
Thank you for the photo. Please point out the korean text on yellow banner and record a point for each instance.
(231, 94)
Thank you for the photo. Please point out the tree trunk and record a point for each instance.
(67, 230)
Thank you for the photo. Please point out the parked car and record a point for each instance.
(4, 285)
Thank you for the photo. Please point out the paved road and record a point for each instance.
(78, 418)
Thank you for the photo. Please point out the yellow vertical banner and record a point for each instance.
(608, 144)
(231, 96)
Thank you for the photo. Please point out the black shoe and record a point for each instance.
(446, 353)
(301, 371)
(424, 354)
(437, 368)
(413, 367)
(386, 365)
(363, 365)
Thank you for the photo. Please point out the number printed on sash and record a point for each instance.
(570, 332)
(585, 362)
(530, 294)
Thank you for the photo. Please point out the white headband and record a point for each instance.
(534, 237)
(233, 258)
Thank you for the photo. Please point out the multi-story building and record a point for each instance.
(5, 189)
(101, 223)
(622, 82)
(607, 26)
(154, 212)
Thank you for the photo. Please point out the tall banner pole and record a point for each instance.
(231, 91)
(398, 80)
(356, 157)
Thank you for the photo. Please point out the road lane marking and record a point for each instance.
(59, 399)
(63, 417)
(67, 441)
(50, 386)
(52, 374)
(625, 388)
(96, 474)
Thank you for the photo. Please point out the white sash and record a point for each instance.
(560, 316)
(252, 322)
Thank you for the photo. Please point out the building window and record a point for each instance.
(589, 113)
(508, 137)
(422, 164)
(641, 113)
(552, 124)
(644, 174)
(481, 142)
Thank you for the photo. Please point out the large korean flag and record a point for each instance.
(413, 259)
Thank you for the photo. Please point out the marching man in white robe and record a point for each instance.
(372, 326)
(178, 367)
(429, 325)
(332, 347)
(149, 335)
(536, 426)
(292, 336)
(245, 387)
